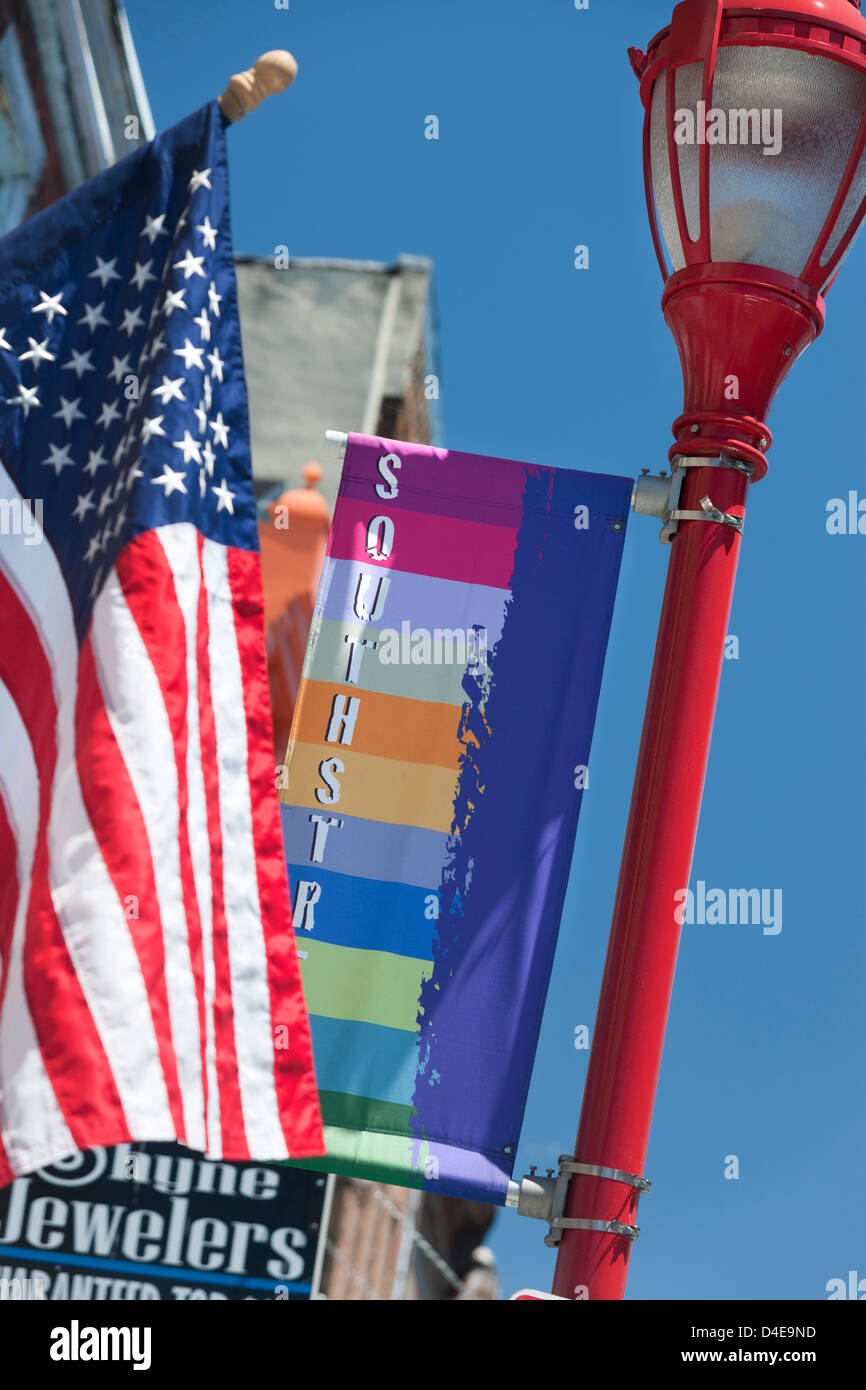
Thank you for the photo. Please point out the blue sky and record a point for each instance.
(540, 150)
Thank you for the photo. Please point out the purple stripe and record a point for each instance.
(425, 602)
(442, 482)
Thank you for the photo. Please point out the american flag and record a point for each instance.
(149, 985)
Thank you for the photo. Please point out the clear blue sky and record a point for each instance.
(539, 150)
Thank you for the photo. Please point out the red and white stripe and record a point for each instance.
(148, 975)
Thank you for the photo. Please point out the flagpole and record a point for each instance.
(272, 73)
(638, 977)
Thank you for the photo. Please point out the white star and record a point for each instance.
(154, 228)
(108, 413)
(191, 355)
(208, 393)
(104, 502)
(201, 415)
(190, 265)
(83, 506)
(208, 458)
(191, 448)
(95, 460)
(151, 427)
(80, 364)
(171, 480)
(134, 472)
(131, 321)
(27, 398)
(69, 411)
(50, 306)
(182, 223)
(119, 366)
(217, 363)
(220, 431)
(105, 537)
(104, 271)
(170, 390)
(92, 549)
(154, 347)
(37, 352)
(226, 498)
(209, 234)
(59, 458)
(174, 299)
(4, 341)
(204, 324)
(93, 317)
(119, 521)
(199, 179)
(97, 581)
(215, 300)
(141, 275)
(202, 485)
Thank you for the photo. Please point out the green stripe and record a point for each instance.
(358, 1147)
(364, 986)
(328, 654)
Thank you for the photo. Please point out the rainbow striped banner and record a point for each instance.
(433, 781)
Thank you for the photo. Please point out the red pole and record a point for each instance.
(638, 976)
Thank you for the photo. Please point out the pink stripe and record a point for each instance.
(294, 1077)
(446, 548)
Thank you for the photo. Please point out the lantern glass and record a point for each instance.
(769, 209)
(689, 90)
(661, 173)
(765, 209)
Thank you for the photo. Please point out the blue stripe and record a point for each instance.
(189, 1276)
(368, 914)
(368, 848)
(364, 1059)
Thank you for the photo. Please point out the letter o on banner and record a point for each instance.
(380, 538)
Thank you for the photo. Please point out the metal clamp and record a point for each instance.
(597, 1170)
(586, 1223)
(714, 461)
(709, 513)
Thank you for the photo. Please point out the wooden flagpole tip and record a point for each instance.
(272, 73)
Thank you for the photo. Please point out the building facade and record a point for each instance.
(72, 101)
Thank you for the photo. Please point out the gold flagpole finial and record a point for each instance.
(271, 73)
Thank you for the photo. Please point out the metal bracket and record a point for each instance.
(709, 513)
(585, 1223)
(545, 1199)
(597, 1170)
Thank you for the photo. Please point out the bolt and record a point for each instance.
(696, 429)
(788, 351)
(644, 472)
(550, 1172)
(762, 443)
(533, 1169)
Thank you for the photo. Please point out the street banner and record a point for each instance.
(149, 987)
(156, 1221)
(432, 783)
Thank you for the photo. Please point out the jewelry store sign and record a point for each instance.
(156, 1221)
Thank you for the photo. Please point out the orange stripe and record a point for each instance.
(387, 726)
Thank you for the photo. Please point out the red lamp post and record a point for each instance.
(747, 243)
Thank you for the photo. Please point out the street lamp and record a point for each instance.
(748, 242)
